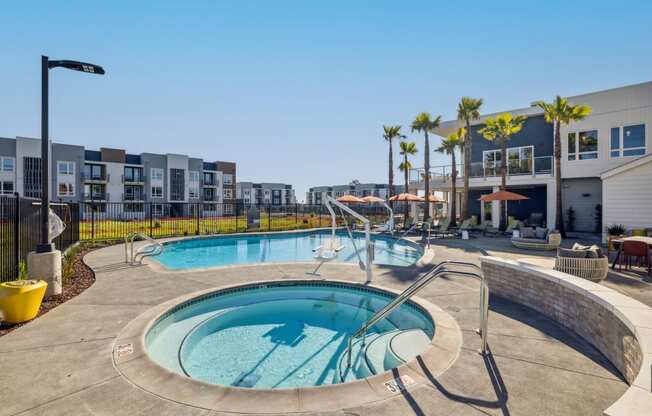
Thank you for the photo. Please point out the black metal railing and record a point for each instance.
(19, 231)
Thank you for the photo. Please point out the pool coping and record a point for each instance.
(424, 260)
(131, 360)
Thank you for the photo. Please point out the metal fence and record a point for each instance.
(114, 220)
(19, 231)
(20, 217)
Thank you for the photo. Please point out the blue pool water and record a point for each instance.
(277, 336)
(247, 249)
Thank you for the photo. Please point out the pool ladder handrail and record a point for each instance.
(131, 257)
(438, 270)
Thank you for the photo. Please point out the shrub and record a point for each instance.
(22, 270)
(616, 229)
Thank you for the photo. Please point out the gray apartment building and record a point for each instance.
(166, 182)
(316, 195)
(265, 193)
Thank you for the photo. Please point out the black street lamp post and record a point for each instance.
(46, 245)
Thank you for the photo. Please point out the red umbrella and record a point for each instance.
(351, 199)
(502, 196)
(406, 197)
(372, 199)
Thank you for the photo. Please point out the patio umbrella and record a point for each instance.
(434, 198)
(372, 199)
(502, 196)
(406, 197)
(350, 199)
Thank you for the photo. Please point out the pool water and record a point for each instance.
(280, 248)
(275, 336)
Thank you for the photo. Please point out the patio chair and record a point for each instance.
(512, 224)
(586, 262)
(490, 230)
(442, 229)
(426, 226)
(634, 251)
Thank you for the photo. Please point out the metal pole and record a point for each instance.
(17, 231)
(45, 245)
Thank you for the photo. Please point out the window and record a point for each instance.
(32, 177)
(209, 179)
(583, 145)
(66, 189)
(228, 209)
(194, 176)
(134, 207)
(66, 168)
(6, 188)
(132, 174)
(157, 209)
(94, 172)
(193, 192)
(628, 141)
(491, 161)
(157, 192)
(228, 194)
(157, 174)
(228, 179)
(8, 164)
(177, 185)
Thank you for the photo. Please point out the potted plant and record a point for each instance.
(21, 299)
(614, 232)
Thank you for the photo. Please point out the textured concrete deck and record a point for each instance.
(61, 363)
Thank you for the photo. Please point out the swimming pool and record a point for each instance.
(280, 248)
(286, 335)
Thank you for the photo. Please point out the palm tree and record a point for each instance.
(424, 123)
(449, 146)
(390, 133)
(561, 112)
(500, 130)
(407, 149)
(468, 110)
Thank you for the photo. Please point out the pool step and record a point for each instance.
(382, 352)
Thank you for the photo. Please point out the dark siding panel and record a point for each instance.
(535, 132)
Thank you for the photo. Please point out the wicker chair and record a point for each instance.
(593, 269)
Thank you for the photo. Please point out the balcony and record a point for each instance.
(209, 184)
(95, 178)
(535, 167)
(96, 196)
(133, 180)
(134, 198)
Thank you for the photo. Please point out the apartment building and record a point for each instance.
(316, 195)
(616, 133)
(166, 182)
(265, 193)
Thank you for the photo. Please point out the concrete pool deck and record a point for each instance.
(62, 362)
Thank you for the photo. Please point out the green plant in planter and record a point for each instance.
(616, 229)
(570, 222)
(22, 271)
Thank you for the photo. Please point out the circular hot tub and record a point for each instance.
(282, 335)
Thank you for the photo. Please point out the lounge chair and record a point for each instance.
(490, 230)
(537, 239)
(512, 224)
(443, 229)
(426, 226)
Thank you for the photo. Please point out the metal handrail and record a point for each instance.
(434, 273)
(130, 256)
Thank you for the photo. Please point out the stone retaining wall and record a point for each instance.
(618, 326)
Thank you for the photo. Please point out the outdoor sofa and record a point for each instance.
(587, 262)
(537, 239)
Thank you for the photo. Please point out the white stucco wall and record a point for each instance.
(611, 108)
(627, 197)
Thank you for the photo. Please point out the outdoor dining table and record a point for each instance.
(619, 243)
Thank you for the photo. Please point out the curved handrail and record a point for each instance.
(433, 274)
(130, 256)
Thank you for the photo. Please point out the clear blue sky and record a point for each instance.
(297, 92)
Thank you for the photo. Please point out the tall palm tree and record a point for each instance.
(468, 110)
(390, 133)
(449, 146)
(559, 112)
(500, 130)
(424, 123)
(407, 149)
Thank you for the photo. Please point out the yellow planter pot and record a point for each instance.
(20, 300)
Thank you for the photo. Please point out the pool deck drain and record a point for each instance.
(535, 366)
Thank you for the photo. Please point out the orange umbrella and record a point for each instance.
(433, 198)
(406, 197)
(502, 196)
(351, 199)
(372, 199)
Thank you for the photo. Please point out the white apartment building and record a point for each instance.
(265, 193)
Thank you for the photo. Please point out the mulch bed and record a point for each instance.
(79, 278)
